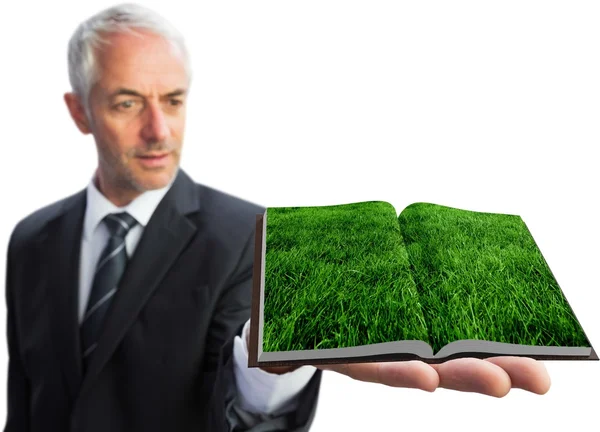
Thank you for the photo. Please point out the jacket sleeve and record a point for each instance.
(18, 397)
(224, 413)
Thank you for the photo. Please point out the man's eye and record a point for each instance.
(127, 104)
(175, 102)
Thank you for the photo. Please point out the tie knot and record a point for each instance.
(119, 224)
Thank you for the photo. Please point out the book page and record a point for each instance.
(337, 277)
(417, 348)
(480, 276)
(498, 348)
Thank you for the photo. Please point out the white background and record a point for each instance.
(489, 106)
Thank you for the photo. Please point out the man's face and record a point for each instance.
(137, 109)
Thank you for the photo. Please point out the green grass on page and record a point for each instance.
(340, 276)
(481, 276)
(337, 276)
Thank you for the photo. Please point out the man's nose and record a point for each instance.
(155, 127)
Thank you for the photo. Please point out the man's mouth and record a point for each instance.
(153, 155)
(153, 160)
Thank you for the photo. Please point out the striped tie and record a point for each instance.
(109, 271)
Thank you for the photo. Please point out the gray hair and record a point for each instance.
(123, 18)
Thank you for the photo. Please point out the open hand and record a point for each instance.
(494, 376)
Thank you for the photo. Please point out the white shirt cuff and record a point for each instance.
(263, 392)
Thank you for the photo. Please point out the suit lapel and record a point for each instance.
(62, 248)
(167, 233)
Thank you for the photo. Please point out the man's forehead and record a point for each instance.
(134, 40)
(144, 63)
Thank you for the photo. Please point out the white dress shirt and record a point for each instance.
(259, 392)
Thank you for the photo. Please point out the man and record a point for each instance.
(128, 302)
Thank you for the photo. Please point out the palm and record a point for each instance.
(494, 376)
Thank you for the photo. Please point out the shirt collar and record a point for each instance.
(98, 206)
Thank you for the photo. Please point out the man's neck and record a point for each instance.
(118, 196)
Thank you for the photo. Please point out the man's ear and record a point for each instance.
(77, 112)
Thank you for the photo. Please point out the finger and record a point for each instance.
(525, 373)
(408, 374)
(473, 375)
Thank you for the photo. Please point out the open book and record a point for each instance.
(357, 283)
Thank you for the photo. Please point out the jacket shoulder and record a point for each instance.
(31, 226)
(234, 216)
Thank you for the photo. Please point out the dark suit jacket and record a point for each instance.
(164, 361)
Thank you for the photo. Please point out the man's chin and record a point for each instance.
(154, 181)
